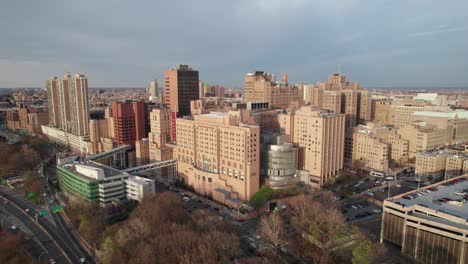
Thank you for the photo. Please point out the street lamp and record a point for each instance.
(39, 258)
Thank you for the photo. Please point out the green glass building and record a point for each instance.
(77, 185)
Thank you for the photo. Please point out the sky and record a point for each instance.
(379, 43)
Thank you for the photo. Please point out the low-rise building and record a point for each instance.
(423, 137)
(429, 224)
(94, 182)
(369, 151)
(137, 188)
(430, 164)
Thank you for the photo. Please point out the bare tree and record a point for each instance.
(316, 218)
(272, 228)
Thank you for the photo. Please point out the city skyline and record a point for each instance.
(382, 45)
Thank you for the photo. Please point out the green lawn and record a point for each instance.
(266, 193)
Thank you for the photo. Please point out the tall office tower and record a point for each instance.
(153, 89)
(320, 136)
(180, 87)
(219, 155)
(68, 103)
(129, 122)
(261, 86)
(349, 98)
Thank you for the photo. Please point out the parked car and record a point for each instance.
(377, 211)
(370, 193)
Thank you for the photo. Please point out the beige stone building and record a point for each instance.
(142, 151)
(261, 86)
(320, 136)
(369, 151)
(340, 96)
(430, 164)
(218, 155)
(422, 137)
(348, 98)
(455, 122)
(381, 111)
(455, 165)
(160, 135)
(401, 111)
(101, 133)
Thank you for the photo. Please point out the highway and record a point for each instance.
(52, 250)
(65, 241)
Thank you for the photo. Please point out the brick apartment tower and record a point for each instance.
(68, 103)
(180, 87)
(129, 122)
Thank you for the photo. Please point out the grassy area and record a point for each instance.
(37, 199)
(266, 194)
(261, 197)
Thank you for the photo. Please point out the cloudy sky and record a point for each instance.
(127, 43)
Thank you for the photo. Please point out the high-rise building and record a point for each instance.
(160, 135)
(219, 155)
(153, 89)
(68, 103)
(320, 134)
(129, 121)
(180, 87)
(349, 98)
(262, 86)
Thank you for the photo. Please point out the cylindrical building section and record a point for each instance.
(278, 164)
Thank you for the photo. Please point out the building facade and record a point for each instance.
(320, 134)
(218, 155)
(129, 122)
(427, 228)
(279, 161)
(263, 87)
(68, 103)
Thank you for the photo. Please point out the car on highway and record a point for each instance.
(251, 239)
(370, 193)
(253, 245)
(52, 261)
(82, 260)
(186, 199)
(284, 249)
(14, 227)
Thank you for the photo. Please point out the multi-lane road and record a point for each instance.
(53, 232)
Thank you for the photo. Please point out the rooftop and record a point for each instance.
(449, 115)
(93, 167)
(216, 114)
(426, 96)
(139, 180)
(440, 197)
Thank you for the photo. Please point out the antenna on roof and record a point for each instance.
(339, 68)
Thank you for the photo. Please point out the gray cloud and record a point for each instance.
(128, 43)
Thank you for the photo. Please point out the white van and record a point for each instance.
(377, 174)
